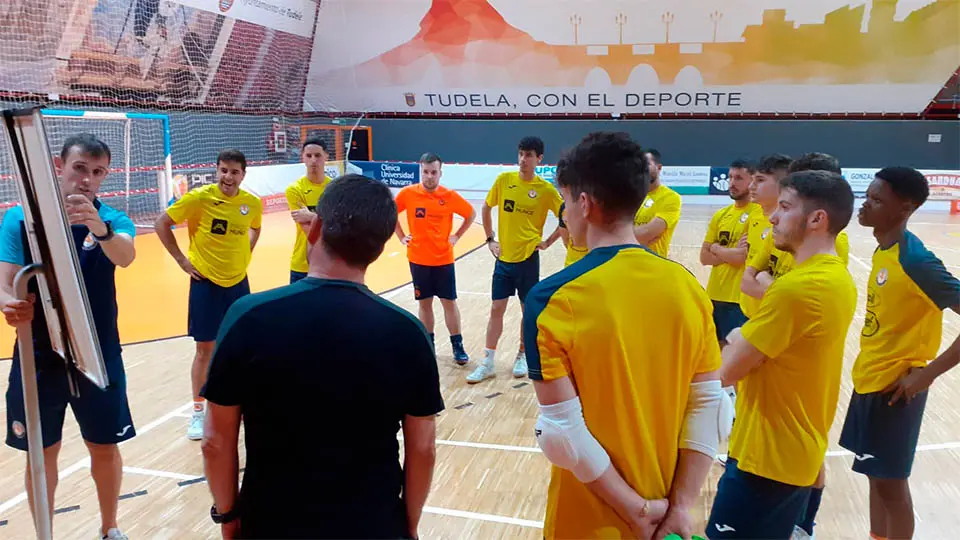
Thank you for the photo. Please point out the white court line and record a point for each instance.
(474, 293)
(85, 462)
(860, 261)
(487, 446)
(483, 517)
(161, 474)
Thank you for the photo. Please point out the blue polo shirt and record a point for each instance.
(98, 277)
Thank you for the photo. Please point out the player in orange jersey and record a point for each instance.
(430, 209)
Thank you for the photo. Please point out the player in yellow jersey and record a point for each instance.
(302, 197)
(523, 200)
(657, 217)
(224, 225)
(908, 291)
(575, 252)
(631, 438)
(788, 360)
(725, 250)
(763, 255)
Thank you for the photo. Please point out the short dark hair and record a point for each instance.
(430, 157)
(358, 216)
(816, 161)
(657, 158)
(234, 156)
(317, 141)
(88, 144)
(750, 166)
(907, 183)
(611, 168)
(823, 189)
(531, 143)
(774, 163)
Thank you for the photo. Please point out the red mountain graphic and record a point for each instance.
(465, 43)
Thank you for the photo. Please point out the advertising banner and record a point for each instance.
(292, 16)
(645, 56)
(393, 174)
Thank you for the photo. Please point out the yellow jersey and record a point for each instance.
(759, 231)
(303, 194)
(523, 211)
(663, 203)
(219, 228)
(785, 406)
(727, 226)
(632, 371)
(908, 290)
(782, 261)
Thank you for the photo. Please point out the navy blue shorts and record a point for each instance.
(430, 281)
(748, 506)
(103, 415)
(296, 276)
(519, 277)
(883, 437)
(726, 317)
(209, 302)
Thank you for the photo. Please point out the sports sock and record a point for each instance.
(813, 505)
(490, 354)
(199, 406)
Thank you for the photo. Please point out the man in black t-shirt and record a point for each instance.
(325, 374)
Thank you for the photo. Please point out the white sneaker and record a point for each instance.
(483, 372)
(520, 365)
(114, 534)
(195, 429)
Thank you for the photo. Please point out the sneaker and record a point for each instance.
(114, 534)
(195, 429)
(800, 534)
(520, 365)
(459, 355)
(482, 373)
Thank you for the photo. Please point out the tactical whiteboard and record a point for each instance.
(63, 296)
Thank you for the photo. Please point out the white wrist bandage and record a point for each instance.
(567, 443)
(709, 418)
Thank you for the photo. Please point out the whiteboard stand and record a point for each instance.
(31, 405)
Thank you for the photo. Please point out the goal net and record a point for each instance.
(139, 181)
(182, 79)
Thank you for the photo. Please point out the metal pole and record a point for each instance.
(31, 404)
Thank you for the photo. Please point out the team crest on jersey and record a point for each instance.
(765, 233)
(244, 209)
(442, 202)
(532, 194)
(18, 430)
(648, 203)
(743, 217)
(89, 243)
(882, 276)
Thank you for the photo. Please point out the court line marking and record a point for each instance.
(483, 517)
(85, 462)
(160, 474)
(860, 261)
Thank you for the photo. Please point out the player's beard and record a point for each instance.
(791, 238)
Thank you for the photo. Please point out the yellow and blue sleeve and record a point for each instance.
(493, 196)
(928, 272)
(185, 206)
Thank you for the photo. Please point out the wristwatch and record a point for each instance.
(107, 236)
(224, 518)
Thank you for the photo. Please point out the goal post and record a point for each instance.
(141, 164)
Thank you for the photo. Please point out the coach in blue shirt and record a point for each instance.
(104, 240)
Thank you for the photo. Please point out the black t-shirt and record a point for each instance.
(324, 371)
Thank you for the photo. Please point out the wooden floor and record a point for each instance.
(491, 480)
